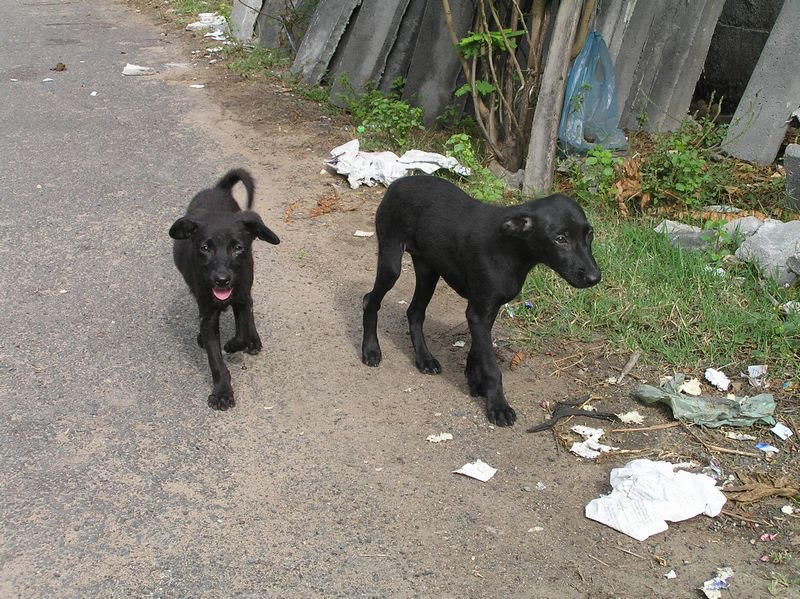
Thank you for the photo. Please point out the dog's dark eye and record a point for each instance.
(238, 248)
(204, 248)
(561, 239)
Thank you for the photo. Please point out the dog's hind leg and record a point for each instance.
(426, 285)
(246, 337)
(221, 397)
(390, 257)
(483, 374)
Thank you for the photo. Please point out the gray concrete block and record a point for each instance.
(773, 92)
(243, 19)
(269, 25)
(670, 64)
(321, 39)
(435, 67)
(400, 55)
(745, 227)
(363, 58)
(791, 162)
(687, 237)
(774, 246)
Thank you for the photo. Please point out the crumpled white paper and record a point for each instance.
(133, 70)
(647, 494)
(478, 469)
(208, 20)
(711, 588)
(590, 447)
(718, 379)
(370, 168)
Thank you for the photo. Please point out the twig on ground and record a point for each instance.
(598, 560)
(641, 429)
(629, 365)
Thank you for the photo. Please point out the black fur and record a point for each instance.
(484, 253)
(212, 250)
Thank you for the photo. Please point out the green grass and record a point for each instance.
(193, 7)
(257, 61)
(662, 300)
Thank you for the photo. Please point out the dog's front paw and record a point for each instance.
(501, 414)
(221, 398)
(251, 346)
(429, 365)
(371, 356)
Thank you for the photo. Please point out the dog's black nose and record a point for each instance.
(593, 278)
(222, 281)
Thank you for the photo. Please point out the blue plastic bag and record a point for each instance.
(589, 116)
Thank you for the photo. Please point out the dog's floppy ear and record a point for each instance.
(257, 228)
(518, 224)
(183, 228)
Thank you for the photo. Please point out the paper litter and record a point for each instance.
(46, 80)
(439, 438)
(93, 94)
(788, 510)
(360, 233)
(197, 85)
(134, 70)
(718, 379)
(590, 447)
(781, 431)
(739, 436)
(691, 387)
(633, 417)
(459, 343)
(670, 575)
(478, 469)
(370, 168)
(711, 588)
(709, 411)
(646, 494)
(767, 448)
(208, 20)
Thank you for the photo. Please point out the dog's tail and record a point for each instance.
(232, 177)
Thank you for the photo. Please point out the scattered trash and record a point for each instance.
(134, 70)
(360, 233)
(478, 469)
(93, 94)
(789, 308)
(440, 438)
(756, 371)
(739, 436)
(646, 494)
(633, 417)
(711, 588)
(529, 305)
(758, 486)
(536, 529)
(509, 311)
(718, 379)
(217, 35)
(709, 411)
(788, 510)
(767, 448)
(566, 408)
(13, 79)
(767, 537)
(208, 20)
(781, 431)
(197, 85)
(60, 66)
(46, 80)
(370, 168)
(691, 387)
(590, 447)
(670, 575)
(540, 486)
(459, 343)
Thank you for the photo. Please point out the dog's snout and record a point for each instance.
(593, 278)
(222, 280)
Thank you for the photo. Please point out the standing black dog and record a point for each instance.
(484, 253)
(212, 249)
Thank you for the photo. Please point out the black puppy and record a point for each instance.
(483, 252)
(212, 251)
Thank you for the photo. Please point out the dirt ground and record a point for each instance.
(341, 492)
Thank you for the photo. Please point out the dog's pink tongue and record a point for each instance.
(222, 293)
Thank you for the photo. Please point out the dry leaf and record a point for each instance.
(325, 204)
(517, 359)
